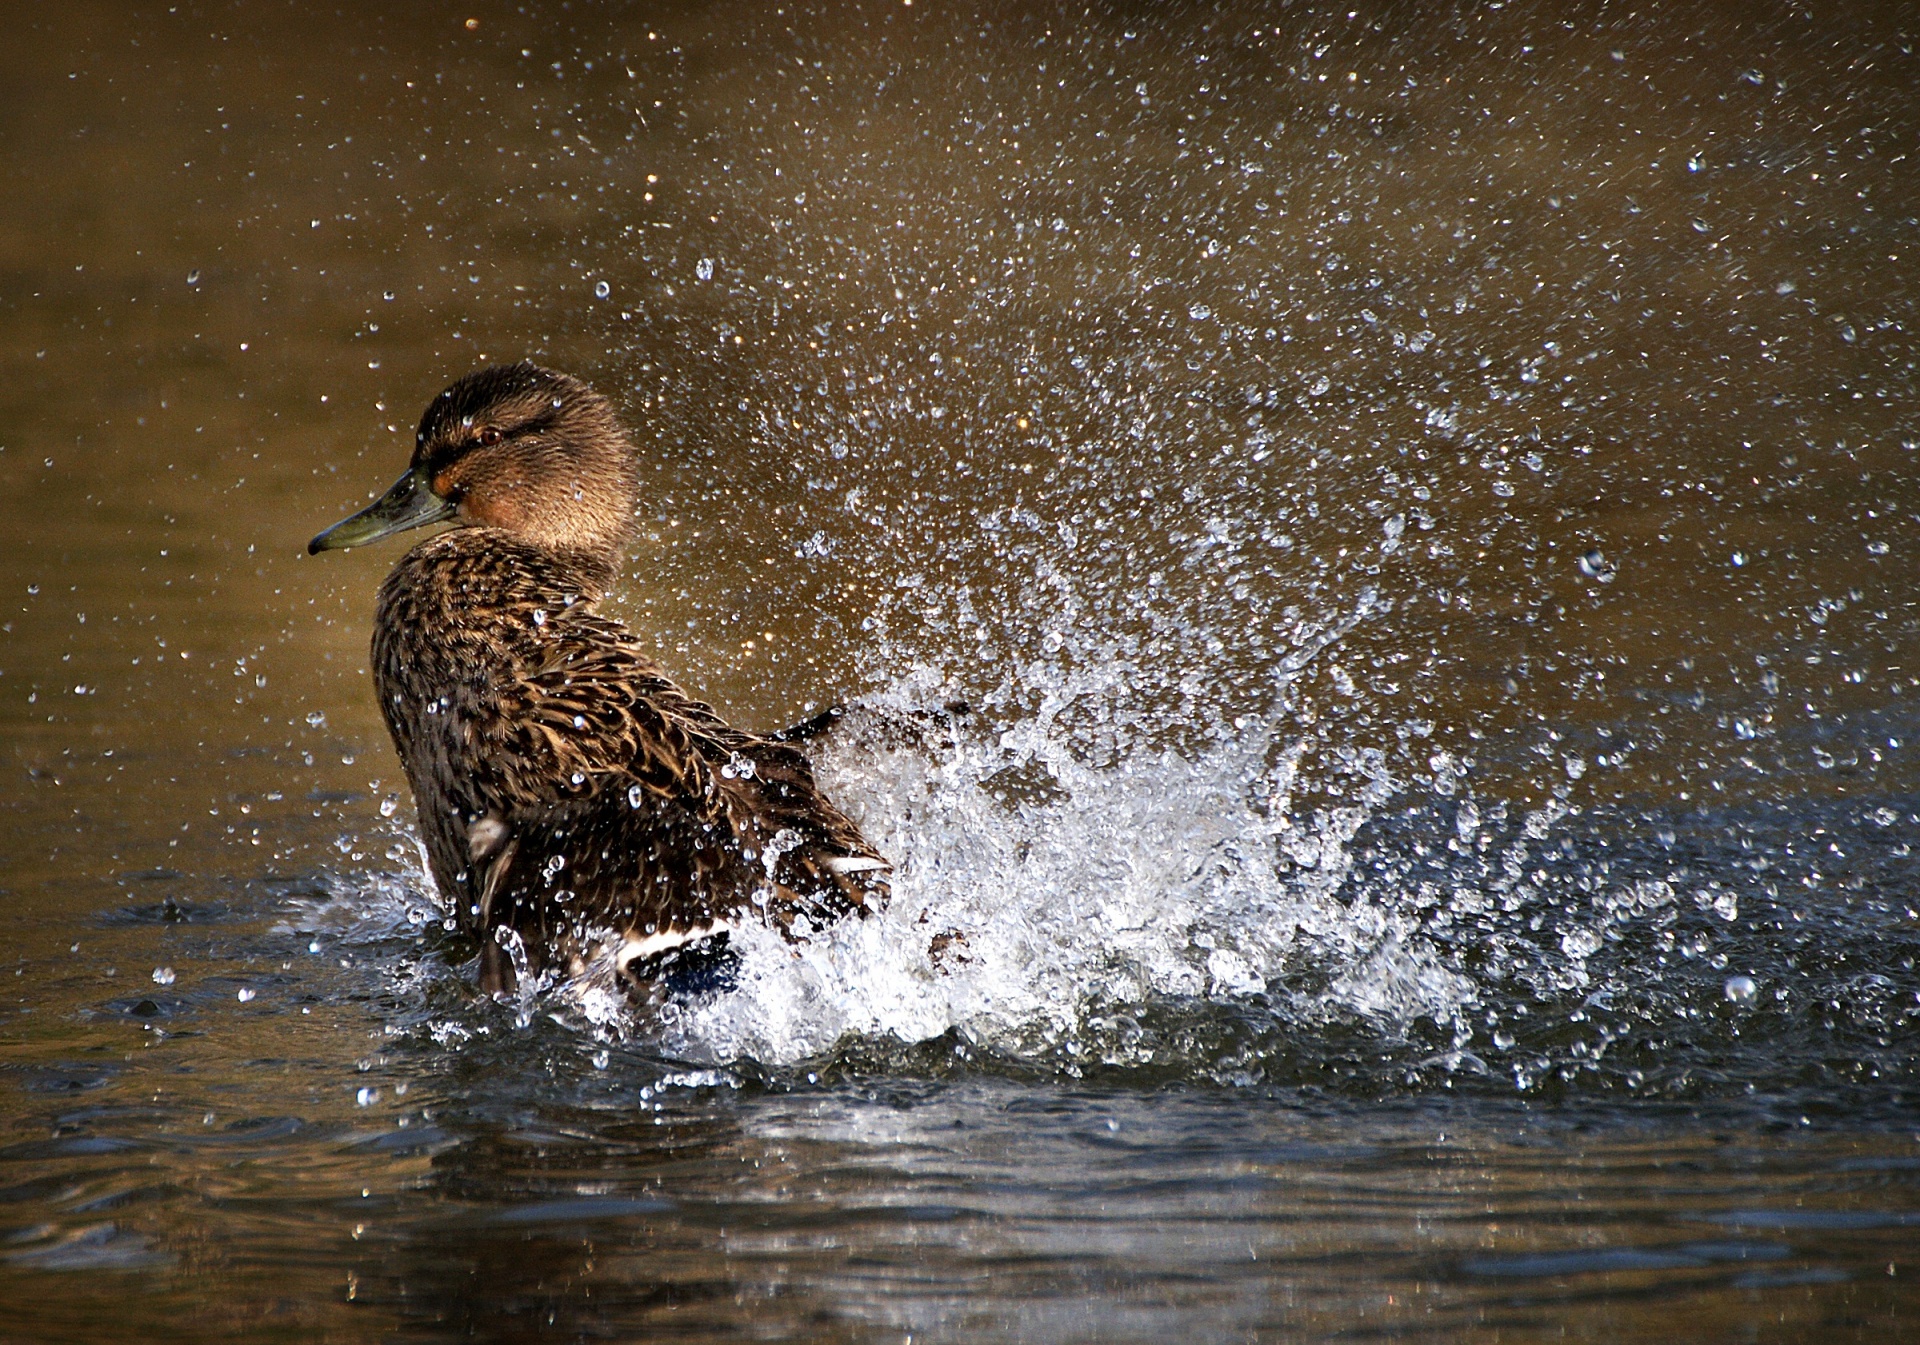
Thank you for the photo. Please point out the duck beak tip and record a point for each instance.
(410, 503)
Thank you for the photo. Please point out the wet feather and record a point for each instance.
(568, 790)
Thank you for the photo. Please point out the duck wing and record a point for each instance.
(612, 797)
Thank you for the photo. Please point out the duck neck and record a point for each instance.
(586, 515)
(593, 571)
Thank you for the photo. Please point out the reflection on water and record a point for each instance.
(1420, 509)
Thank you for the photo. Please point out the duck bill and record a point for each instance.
(410, 504)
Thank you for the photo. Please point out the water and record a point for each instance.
(1419, 512)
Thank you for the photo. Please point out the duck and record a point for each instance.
(576, 804)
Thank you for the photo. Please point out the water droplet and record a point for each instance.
(315, 719)
(163, 975)
(539, 616)
(602, 289)
(600, 1059)
(389, 805)
(703, 269)
(193, 277)
(1741, 989)
(1199, 312)
(366, 1097)
(633, 796)
(1595, 565)
(244, 994)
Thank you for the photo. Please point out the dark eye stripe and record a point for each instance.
(444, 454)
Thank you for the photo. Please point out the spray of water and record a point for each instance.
(1046, 893)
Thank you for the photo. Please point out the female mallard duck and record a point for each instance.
(570, 794)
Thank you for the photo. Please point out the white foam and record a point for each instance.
(1019, 919)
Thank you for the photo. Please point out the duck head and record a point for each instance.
(534, 453)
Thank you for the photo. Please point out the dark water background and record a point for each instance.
(1421, 500)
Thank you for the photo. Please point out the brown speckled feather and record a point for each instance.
(627, 805)
(568, 791)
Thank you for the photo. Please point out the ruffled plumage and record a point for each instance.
(568, 790)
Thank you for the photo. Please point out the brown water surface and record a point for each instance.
(1421, 504)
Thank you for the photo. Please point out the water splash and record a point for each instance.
(1279, 896)
(1040, 899)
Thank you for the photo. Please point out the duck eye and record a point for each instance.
(489, 437)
